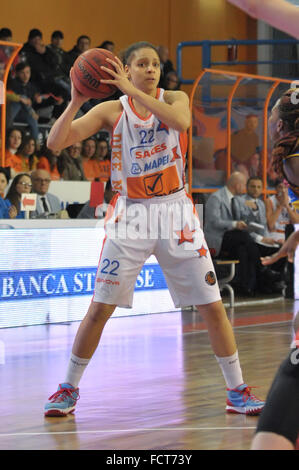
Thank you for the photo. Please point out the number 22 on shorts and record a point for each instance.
(110, 267)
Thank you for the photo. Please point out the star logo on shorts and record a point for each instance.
(185, 235)
(202, 252)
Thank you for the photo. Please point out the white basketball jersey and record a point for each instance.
(147, 157)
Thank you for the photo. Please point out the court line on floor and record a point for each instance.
(272, 333)
(111, 431)
(249, 303)
(201, 327)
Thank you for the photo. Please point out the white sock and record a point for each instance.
(231, 370)
(76, 367)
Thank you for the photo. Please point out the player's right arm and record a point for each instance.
(67, 131)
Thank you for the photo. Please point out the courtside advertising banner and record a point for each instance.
(48, 276)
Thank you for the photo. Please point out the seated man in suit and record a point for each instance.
(250, 208)
(228, 237)
(46, 202)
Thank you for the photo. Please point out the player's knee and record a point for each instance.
(213, 313)
(99, 312)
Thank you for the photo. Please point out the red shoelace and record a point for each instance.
(247, 394)
(68, 391)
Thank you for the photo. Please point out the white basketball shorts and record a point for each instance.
(167, 227)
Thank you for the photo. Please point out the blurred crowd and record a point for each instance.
(39, 88)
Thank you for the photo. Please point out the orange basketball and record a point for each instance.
(87, 73)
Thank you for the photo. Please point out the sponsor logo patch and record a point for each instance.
(210, 278)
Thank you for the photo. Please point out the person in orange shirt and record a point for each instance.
(89, 150)
(101, 161)
(13, 143)
(48, 162)
(27, 154)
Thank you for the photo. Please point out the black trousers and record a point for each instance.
(238, 244)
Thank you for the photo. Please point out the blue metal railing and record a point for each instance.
(207, 47)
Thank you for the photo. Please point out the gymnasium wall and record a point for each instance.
(125, 21)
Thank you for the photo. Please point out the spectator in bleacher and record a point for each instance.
(46, 202)
(255, 166)
(89, 149)
(165, 63)
(229, 238)
(280, 212)
(245, 146)
(48, 161)
(61, 60)
(13, 143)
(281, 217)
(20, 184)
(6, 51)
(82, 45)
(171, 81)
(7, 210)
(40, 59)
(70, 163)
(109, 45)
(27, 154)
(100, 211)
(43, 70)
(24, 95)
(102, 160)
(4, 180)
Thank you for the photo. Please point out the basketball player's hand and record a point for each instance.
(77, 97)
(288, 249)
(241, 225)
(249, 6)
(119, 76)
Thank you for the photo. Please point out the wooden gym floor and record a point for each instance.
(153, 383)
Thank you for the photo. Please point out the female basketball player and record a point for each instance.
(148, 128)
(281, 14)
(278, 426)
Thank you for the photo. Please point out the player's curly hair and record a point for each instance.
(287, 147)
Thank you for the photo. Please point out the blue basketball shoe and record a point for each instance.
(62, 402)
(241, 400)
